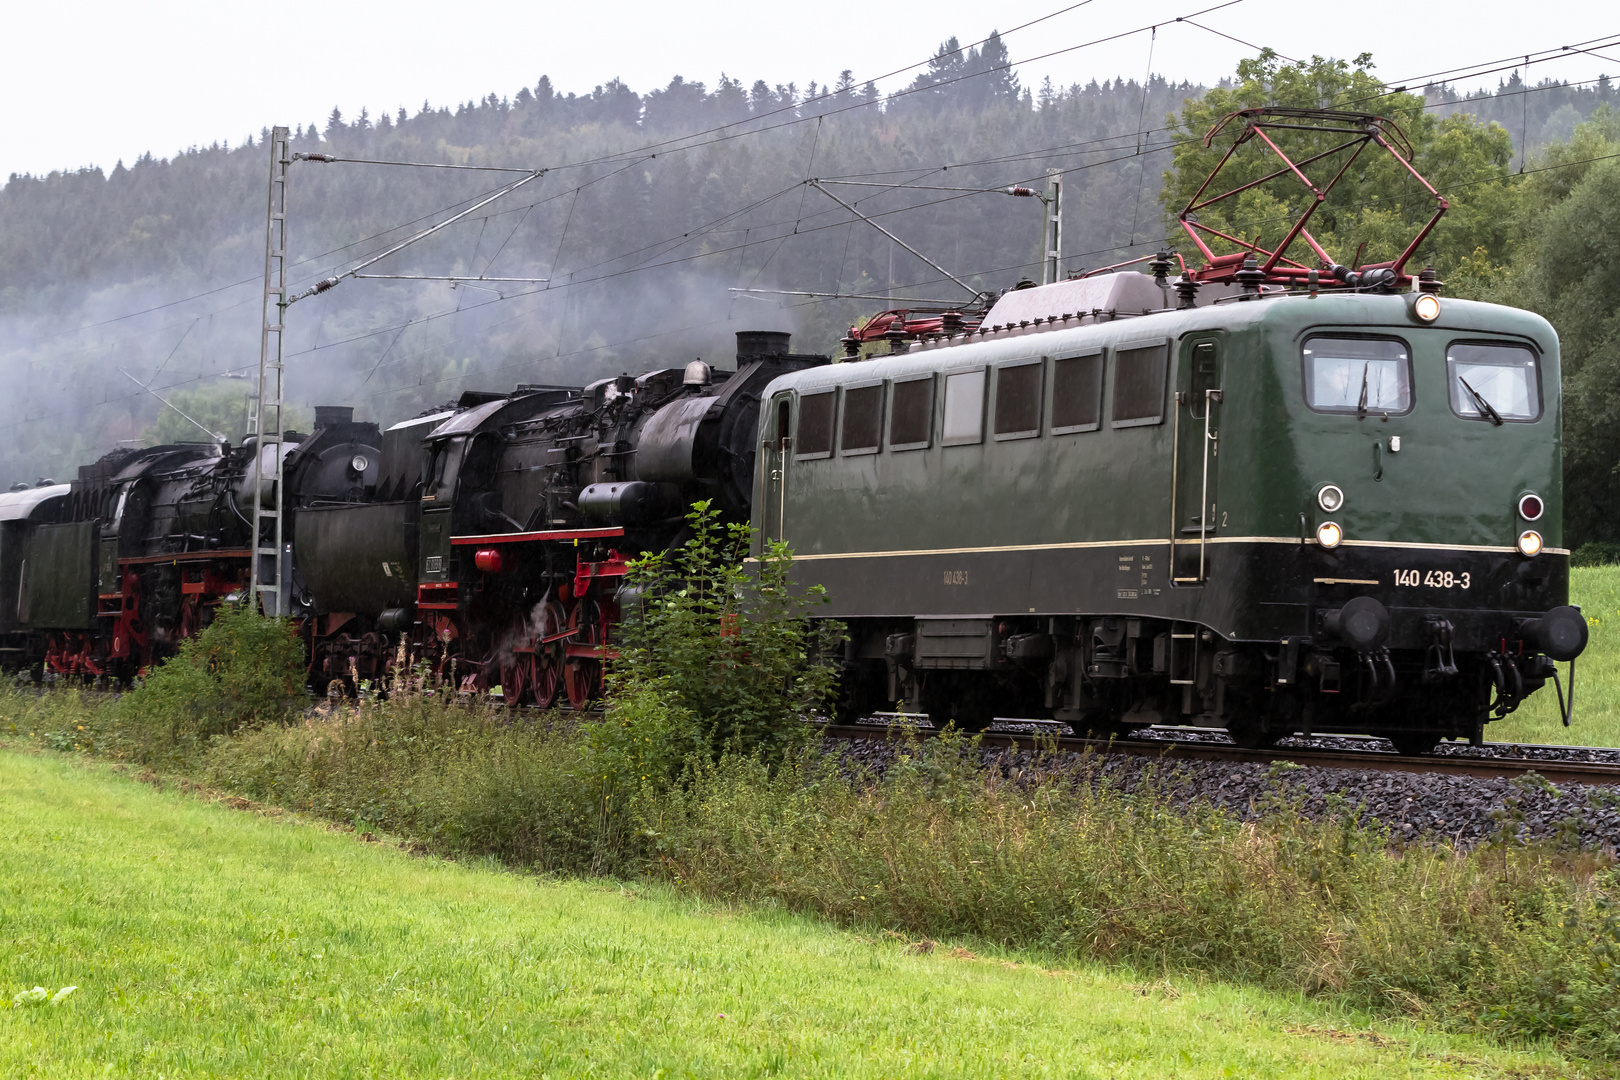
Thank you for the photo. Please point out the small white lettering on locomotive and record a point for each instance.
(956, 577)
(1126, 594)
(1433, 579)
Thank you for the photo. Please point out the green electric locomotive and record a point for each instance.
(1270, 496)
(1274, 513)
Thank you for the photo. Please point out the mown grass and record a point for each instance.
(1520, 942)
(1597, 673)
(210, 942)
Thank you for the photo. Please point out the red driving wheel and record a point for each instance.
(582, 675)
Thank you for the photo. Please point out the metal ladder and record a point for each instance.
(268, 584)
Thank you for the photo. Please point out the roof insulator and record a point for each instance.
(1160, 266)
(1251, 276)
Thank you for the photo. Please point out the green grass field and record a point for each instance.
(208, 941)
(1597, 675)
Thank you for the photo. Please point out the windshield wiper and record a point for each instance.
(1479, 400)
(1361, 405)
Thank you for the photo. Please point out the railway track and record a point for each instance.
(1509, 761)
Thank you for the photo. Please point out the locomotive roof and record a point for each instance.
(20, 505)
(1285, 317)
(1131, 292)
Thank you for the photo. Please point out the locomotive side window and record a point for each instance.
(964, 408)
(442, 469)
(863, 419)
(1139, 377)
(1077, 393)
(1357, 375)
(911, 414)
(815, 425)
(1018, 400)
(1503, 379)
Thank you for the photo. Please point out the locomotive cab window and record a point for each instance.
(1139, 378)
(1500, 379)
(1206, 375)
(863, 419)
(1360, 376)
(911, 413)
(1077, 383)
(815, 435)
(964, 408)
(442, 468)
(1018, 400)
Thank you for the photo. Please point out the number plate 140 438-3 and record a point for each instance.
(1433, 579)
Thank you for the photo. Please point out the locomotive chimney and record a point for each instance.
(332, 415)
(756, 344)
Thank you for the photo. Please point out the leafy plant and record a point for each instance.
(728, 646)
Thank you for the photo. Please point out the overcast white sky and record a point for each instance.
(91, 82)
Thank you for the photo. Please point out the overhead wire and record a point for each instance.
(1534, 58)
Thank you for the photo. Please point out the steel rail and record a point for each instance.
(1561, 771)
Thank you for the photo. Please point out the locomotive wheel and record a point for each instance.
(1412, 743)
(582, 676)
(514, 678)
(546, 666)
(1250, 736)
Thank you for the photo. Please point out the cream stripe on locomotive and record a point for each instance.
(1077, 545)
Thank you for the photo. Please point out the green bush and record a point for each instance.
(241, 670)
(727, 645)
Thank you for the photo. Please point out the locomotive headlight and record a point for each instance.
(1531, 507)
(1330, 498)
(358, 463)
(1529, 542)
(1426, 307)
(1328, 534)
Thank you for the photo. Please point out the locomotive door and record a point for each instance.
(1195, 510)
(774, 456)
